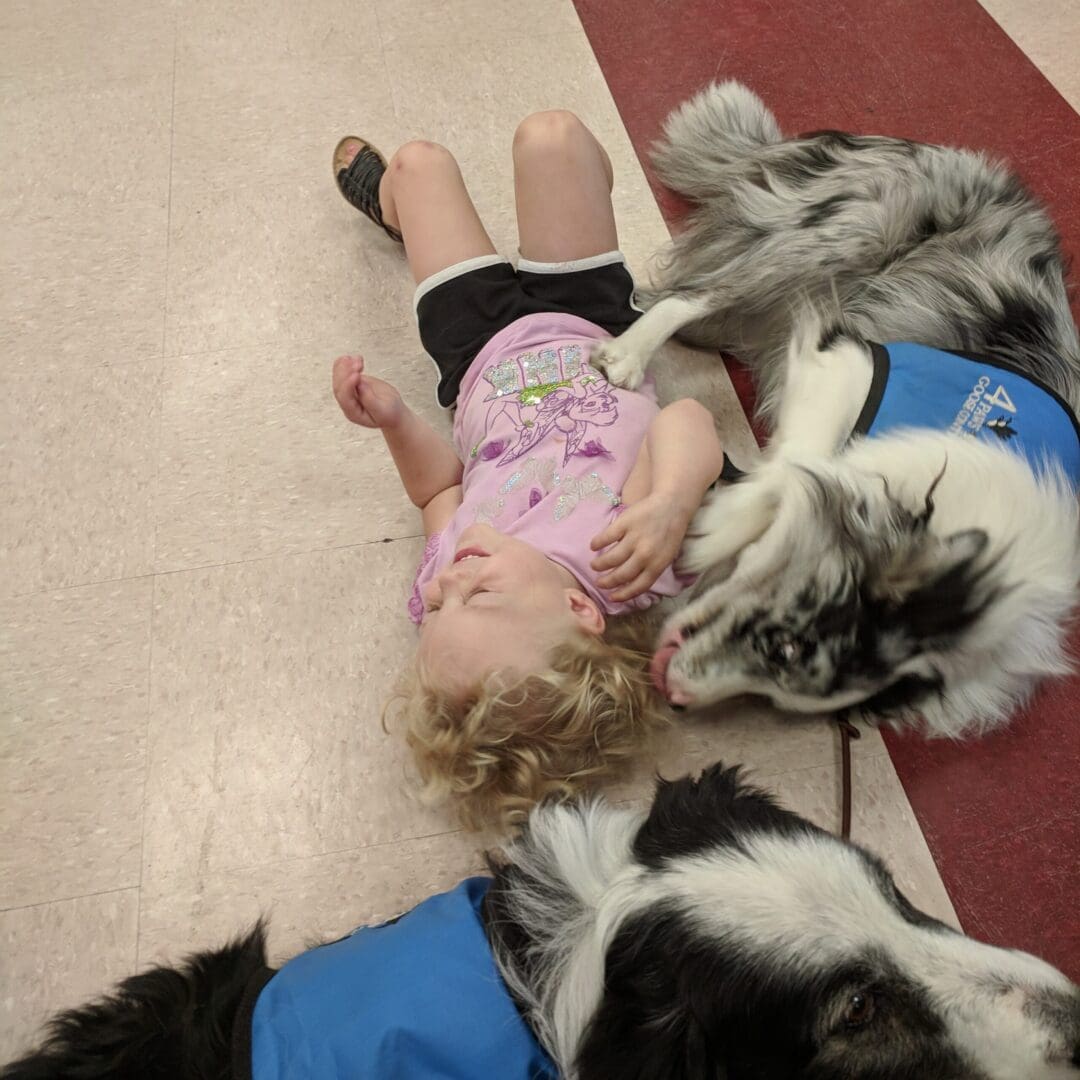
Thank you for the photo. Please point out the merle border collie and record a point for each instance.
(924, 573)
(711, 935)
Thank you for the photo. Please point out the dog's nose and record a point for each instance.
(677, 697)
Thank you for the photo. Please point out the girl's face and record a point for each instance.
(500, 604)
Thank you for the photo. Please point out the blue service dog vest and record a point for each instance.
(919, 387)
(418, 998)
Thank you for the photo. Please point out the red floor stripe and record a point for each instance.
(1001, 816)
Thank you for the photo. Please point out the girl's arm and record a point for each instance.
(678, 461)
(428, 465)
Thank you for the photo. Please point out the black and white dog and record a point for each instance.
(924, 574)
(714, 935)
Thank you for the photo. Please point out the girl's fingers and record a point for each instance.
(345, 372)
(615, 531)
(626, 572)
(640, 584)
(348, 397)
(614, 557)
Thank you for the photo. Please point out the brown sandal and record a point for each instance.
(358, 180)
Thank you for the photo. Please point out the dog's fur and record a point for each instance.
(715, 936)
(916, 576)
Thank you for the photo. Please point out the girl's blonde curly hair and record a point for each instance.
(511, 742)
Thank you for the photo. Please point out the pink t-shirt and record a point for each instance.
(547, 446)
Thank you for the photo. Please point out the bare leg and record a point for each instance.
(562, 179)
(423, 195)
(562, 184)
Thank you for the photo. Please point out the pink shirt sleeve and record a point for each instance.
(416, 604)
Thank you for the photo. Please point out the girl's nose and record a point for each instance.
(447, 580)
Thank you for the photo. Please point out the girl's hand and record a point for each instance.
(642, 542)
(367, 401)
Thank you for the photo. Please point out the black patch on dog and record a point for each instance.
(163, 1024)
(944, 605)
(926, 228)
(822, 211)
(1046, 264)
(690, 816)
(906, 693)
(832, 333)
(679, 1004)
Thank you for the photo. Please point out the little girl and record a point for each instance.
(563, 500)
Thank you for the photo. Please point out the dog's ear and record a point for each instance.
(921, 558)
(934, 587)
(690, 815)
(646, 1027)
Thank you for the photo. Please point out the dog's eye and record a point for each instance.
(860, 1010)
(786, 651)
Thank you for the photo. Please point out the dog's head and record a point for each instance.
(821, 591)
(720, 937)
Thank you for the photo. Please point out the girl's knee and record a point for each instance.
(553, 128)
(420, 156)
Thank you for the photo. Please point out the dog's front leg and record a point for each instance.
(625, 359)
(824, 392)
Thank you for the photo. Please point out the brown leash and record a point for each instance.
(848, 731)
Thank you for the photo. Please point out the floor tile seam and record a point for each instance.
(85, 374)
(164, 308)
(146, 763)
(300, 553)
(516, 36)
(189, 64)
(205, 566)
(68, 898)
(285, 342)
(38, 85)
(179, 328)
(163, 889)
(857, 757)
(45, 212)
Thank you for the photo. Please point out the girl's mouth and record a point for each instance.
(470, 553)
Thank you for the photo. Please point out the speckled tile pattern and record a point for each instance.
(73, 687)
(57, 955)
(265, 737)
(317, 898)
(77, 477)
(81, 289)
(203, 568)
(253, 463)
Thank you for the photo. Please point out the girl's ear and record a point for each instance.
(586, 612)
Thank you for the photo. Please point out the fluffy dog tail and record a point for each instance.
(714, 129)
(165, 1022)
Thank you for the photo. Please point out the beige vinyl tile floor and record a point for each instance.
(203, 568)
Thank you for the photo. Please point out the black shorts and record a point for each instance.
(461, 308)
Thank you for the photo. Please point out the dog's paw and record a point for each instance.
(620, 365)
